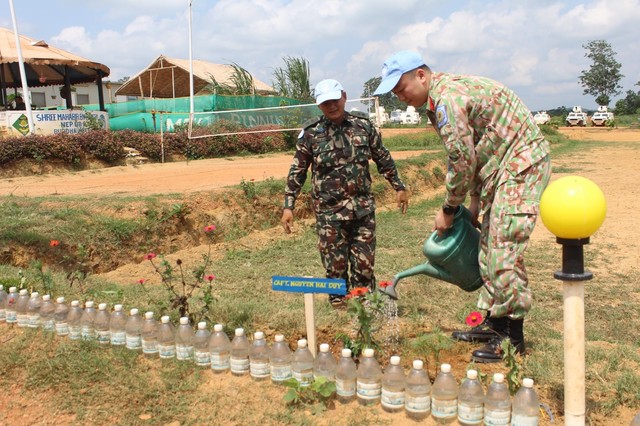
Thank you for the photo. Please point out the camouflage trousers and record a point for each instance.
(506, 228)
(347, 249)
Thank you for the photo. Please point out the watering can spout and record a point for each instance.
(452, 257)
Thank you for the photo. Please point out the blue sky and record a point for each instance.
(534, 47)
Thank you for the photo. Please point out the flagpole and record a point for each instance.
(23, 75)
(191, 100)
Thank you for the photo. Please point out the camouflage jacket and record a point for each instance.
(487, 131)
(339, 158)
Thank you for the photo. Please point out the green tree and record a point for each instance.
(629, 104)
(387, 100)
(602, 79)
(294, 79)
(240, 83)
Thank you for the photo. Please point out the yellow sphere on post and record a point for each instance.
(573, 207)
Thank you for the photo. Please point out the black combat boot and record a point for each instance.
(484, 332)
(492, 351)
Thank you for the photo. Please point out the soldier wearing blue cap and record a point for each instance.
(338, 146)
(498, 156)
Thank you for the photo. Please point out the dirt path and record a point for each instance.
(167, 178)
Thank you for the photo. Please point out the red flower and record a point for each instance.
(149, 256)
(54, 243)
(209, 228)
(358, 291)
(348, 296)
(210, 278)
(474, 319)
(384, 284)
(141, 281)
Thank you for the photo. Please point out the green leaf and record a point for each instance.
(291, 397)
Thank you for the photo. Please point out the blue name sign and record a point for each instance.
(309, 285)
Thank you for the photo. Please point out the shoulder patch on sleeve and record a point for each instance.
(441, 116)
(301, 134)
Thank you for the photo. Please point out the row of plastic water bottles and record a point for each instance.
(396, 391)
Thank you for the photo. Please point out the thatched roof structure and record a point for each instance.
(169, 78)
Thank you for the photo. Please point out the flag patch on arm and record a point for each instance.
(441, 116)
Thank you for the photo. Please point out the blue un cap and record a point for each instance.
(395, 66)
(328, 89)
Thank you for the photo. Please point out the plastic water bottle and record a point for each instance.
(497, 402)
(60, 317)
(259, 357)
(417, 398)
(3, 304)
(471, 400)
(73, 320)
(280, 360)
(184, 340)
(325, 364)
(21, 308)
(33, 310)
(444, 396)
(132, 329)
(240, 353)
(149, 336)
(220, 350)
(10, 306)
(302, 364)
(526, 406)
(369, 383)
(346, 376)
(166, 338)
(87, 322)
(201, 345)
(46, 314)
(101, 324)
(393, 384)
(117, 324)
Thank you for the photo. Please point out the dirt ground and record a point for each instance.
(615, 170)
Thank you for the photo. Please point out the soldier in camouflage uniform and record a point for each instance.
(497, 155)
(338, 146)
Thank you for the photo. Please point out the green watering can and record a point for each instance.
(452, 258)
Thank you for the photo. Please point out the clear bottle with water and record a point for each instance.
(149, 336)
(184, 340)
(526, 406)
(220, 350)
(369, 383)
(3, 304)
(73, 320)
(201, 345)
(87, 321)
(497, 402)
(166, 338)
(444, 396)
(280, 360)
(302, 364)
(10, 306)
(259, 357)
(346, 376)
(101, 323)
(60, 317)
(133, 330)
(21, 308)
(325, 364)
(33, 310)
(46, 314)
(117, 324)
(417, 398)
(471, 400)
(239, 353)
(393, 385)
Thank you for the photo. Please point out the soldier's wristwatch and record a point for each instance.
(449, 210)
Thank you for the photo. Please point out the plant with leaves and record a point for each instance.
(191, 295)
(317, 396)
(366, 308)
(294, 79)
(602, 79)
(431, 345)
(240, 83)
(510, 358)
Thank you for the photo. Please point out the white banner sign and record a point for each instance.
(54, 121)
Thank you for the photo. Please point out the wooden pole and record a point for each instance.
(574, 353)
(311, 323)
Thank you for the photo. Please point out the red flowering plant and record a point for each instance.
(366, 308)
(191, 294)
(474, 319)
